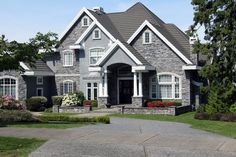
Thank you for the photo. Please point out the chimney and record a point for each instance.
(98, 10)
(193, 57)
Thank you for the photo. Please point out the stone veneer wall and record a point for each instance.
(22, 90)
(159, 111)
(102, 101)
(77, 109)
(137, 101)
(159, 55)
(60, 79)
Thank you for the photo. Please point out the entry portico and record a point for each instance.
(121, 76)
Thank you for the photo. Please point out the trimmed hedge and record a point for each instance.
(57, 100)
(36, 103)
(99, 119)
(11, 116)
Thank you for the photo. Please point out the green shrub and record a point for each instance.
(100, 119)
(48, 110)
(201, 108)
(72, 99)
(210, 109)
(232, 108)
(57, 100)
(11, 116)
(36, 103)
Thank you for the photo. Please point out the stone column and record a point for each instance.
(135, 85)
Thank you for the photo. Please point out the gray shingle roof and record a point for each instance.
(136, 54)
(122, 26)
(41, 68)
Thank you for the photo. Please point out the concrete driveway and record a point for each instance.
(132, 138)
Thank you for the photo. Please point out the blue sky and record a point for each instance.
(22, 19)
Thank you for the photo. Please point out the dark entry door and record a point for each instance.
(126, 91)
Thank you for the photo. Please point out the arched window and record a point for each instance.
(85, 21)
(67, 58)
(147, 37)
(8, 86)
(96, 34)
(95, 54)
(165, 86)
(68, 86)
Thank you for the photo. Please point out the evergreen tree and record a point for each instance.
(219, 19)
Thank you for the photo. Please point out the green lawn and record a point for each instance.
(56, 125)
(18, 147)
(219, 127)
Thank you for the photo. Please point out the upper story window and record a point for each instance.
(8, 87)
(85, 21)
(165, 86)
(147, 37)
(95, 54)
(39, 80)
(96, 34)
(68, 58)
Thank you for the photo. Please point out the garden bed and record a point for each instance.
(173, 110)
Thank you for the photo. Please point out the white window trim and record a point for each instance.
(88, 21)
(150, 37)
(99, 34)
(66, 52)
(39, 83)
(164, 83)
(66, 81)
(17, 83)
(92, 90)
(39, 89)
(101, 56)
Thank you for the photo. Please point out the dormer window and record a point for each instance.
(85, 21)
(96, 34)
(147, 37)
(68, 58)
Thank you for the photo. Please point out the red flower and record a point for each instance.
(170, 104)
(159, 104)
(150, 104)
(87, 103)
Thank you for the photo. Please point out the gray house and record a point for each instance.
(116, 58)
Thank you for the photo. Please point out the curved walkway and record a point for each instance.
(129, 138)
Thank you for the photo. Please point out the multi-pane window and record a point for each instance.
(165, 86)
(92, 91)
(85, 21)
(8, 87)
(68, 58)
(39, 80)
(147, 37)
(95, 54)
(67, 87)
(96, 34)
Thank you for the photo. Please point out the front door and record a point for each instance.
(125, 91)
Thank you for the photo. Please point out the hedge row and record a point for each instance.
(100, 119)
(227, 117)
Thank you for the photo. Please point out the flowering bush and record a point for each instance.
(150, 104)
(170, 103)
(159, 104)
(71, 99)
(9, 103)
(87, 103)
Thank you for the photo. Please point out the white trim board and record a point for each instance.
(109, 52)
(163, 38)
